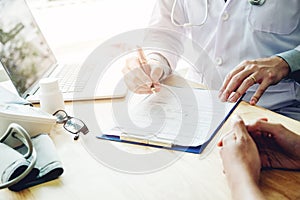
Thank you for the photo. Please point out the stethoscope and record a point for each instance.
(252, 2)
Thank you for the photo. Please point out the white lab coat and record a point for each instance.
(233, 32)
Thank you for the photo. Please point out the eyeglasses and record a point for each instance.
(71, 124)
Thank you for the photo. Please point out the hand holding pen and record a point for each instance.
(146, 68)
(142, 75)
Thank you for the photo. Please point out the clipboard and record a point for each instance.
(167, 144)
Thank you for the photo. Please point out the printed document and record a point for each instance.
(182, 116)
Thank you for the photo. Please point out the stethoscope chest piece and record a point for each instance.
(257, 2)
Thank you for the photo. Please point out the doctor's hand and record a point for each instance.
(142, 79)
(241, 162)
(278, 147)
(264, 71)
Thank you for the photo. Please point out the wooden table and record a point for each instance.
(189, 177)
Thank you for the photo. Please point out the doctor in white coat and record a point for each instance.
(254, 46)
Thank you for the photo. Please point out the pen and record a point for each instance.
(144, 65)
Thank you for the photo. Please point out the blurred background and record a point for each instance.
(73, 28)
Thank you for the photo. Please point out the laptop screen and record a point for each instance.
(24, 52)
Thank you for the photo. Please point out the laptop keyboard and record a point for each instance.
(68, 78)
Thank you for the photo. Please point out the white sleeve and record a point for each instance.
(166, 38)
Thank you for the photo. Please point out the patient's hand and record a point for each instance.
(278, 147)
(241, 162)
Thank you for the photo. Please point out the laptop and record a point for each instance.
(27, 58)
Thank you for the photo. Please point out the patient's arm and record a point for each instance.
(241, 163)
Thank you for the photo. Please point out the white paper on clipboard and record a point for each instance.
(177, 116)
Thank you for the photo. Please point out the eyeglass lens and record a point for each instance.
(61, 116)
(74, 125)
